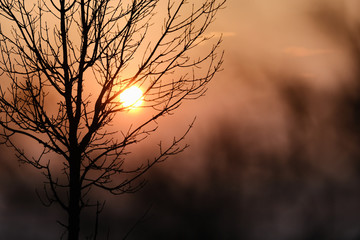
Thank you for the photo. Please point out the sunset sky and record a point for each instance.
(274, 153)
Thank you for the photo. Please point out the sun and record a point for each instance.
(131, 97)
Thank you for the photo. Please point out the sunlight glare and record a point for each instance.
(131, 97)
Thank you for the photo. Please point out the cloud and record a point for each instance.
(305, 52)
(223, 34)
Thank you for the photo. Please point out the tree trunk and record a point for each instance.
(74, 200)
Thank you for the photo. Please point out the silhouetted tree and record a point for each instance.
(66, 62)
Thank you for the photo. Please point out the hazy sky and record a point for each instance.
(274, 150)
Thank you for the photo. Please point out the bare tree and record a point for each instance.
(65, 64)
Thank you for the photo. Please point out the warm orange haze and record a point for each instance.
(273, 153)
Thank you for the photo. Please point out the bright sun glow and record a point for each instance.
(131, 97)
